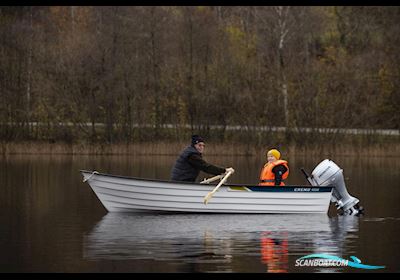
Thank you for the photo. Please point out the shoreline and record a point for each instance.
(174, 148)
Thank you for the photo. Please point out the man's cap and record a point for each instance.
(196, 139)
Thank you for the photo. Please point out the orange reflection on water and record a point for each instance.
(274, 252)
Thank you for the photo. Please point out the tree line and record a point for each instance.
(135, 69)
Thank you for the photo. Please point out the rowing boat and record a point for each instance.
(126, 194)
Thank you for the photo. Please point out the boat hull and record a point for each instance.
(125, 194)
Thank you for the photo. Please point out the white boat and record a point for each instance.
(124, 194)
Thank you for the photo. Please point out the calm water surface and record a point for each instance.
(52, 222)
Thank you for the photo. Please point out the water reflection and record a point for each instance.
(274, 252)
(225, 241)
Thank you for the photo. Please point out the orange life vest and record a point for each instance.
(267, 177)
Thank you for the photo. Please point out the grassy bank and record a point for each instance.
(168, 141)
(383, 149)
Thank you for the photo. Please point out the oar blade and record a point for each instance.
(207, 197)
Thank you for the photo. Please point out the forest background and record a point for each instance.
(143, 79)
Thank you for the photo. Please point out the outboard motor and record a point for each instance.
(327, 173)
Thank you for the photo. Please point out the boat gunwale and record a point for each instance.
(286, 187)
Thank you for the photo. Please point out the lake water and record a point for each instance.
(50, 221)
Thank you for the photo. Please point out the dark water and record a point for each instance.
(52, 222)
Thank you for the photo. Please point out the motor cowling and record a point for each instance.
(328, 173)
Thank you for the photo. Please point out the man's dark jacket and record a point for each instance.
(188, 165)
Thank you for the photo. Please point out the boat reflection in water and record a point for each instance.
(276, 241)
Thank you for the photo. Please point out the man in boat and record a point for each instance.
(275, 170)
(190, 162)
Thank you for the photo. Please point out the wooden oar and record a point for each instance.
(212, 179)
(210, 194)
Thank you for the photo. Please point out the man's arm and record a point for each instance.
(278, 171)
(201, 164)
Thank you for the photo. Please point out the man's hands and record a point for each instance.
(229, 169)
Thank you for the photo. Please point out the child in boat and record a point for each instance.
(275, 170)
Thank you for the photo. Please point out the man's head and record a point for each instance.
(198, 143)
(273, 155)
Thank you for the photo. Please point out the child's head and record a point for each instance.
(273, 155)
